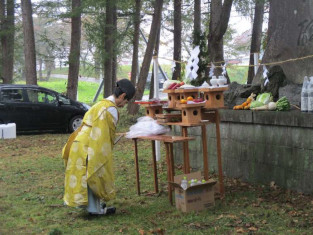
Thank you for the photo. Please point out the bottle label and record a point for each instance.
(304, 104)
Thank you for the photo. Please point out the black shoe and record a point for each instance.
(109, 210)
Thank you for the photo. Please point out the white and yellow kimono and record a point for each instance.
(88, 157)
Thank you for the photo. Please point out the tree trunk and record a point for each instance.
(132, 107)
(2, 25)
(29, 42)
(108, 47)
(177, 39)
(135, 62)
(75, 50)
(256, 36)
(219, 19)
(290, 36)
(115, 48)
(197, 17)
(7, 42)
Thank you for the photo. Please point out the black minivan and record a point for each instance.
(34, 108)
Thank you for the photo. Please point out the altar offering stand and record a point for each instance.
(152, 107)
(214, 97)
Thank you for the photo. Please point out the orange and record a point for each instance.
(182, 101)
(190, 98)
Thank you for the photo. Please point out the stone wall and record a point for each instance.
(259, 147)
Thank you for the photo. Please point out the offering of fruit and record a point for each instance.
(183, 101)
(190, 98)
(175, 85)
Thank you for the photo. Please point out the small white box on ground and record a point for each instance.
(8, 131)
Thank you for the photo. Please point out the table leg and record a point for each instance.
(156, 189)
(172, 170)
(169, 173)
(186, 167)
(137, 167)
(219, 153)
(205, 153)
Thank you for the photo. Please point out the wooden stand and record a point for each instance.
(214, 97)
(152, 109)
(191, 113)
(172, 98)
(168, 141)
(208, 116)
(184, 93)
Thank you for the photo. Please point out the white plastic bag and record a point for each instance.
(146, 126)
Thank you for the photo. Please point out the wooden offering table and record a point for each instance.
(207, 116)
(186, 92)
(173, 98)
(153, 109)
(214, 97)
(168, 141)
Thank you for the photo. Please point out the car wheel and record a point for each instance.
(75, 123)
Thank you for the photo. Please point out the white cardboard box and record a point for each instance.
(8, 131)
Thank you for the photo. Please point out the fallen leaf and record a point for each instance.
(240, 230)
(141, 231)
(253, 229)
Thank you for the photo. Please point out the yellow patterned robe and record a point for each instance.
(88, 157)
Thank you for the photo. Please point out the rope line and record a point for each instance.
(230, 65)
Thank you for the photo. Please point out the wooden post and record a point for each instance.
(137, 167)
(169, 169)
(186, 151)
(155, 172)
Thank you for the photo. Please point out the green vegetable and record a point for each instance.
(255, 104)
(263, 107)
(283, 104)
(265, 98)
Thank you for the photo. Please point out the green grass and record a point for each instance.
(238, 74)
(86, 90)
(31, 183)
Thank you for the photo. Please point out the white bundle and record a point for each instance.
(146, 126)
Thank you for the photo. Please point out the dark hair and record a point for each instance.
(125, 86)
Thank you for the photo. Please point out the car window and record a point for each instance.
(64, 99)
(37, 96)
(12, 95)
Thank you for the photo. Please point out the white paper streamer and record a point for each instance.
(192, 65)
(265, 72)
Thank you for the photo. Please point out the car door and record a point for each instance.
(14, 108)
(45, 113)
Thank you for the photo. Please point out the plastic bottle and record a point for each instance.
(193, 182)
(184, 183)
(304, 94)
(310, 95)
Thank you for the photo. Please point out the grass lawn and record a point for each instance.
(31, 183)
